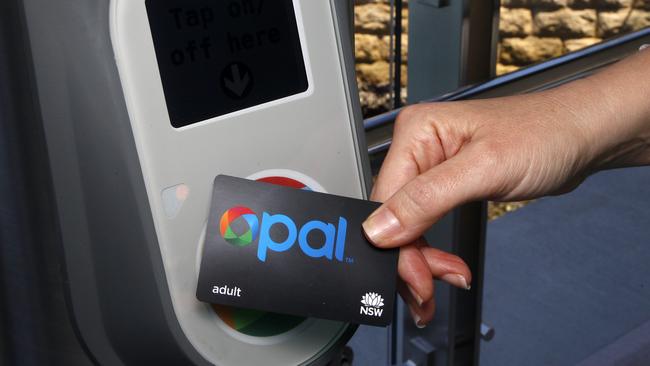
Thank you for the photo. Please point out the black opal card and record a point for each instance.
(297, 252)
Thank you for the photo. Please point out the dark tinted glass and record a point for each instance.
(217, 57)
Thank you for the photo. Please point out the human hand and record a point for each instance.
(515, 148)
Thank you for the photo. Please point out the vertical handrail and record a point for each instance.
(397, 55)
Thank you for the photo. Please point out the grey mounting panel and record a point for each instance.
(35, 326)
(110, 255)
(92, 249)
(452, 43)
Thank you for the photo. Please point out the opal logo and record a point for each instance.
(233, 214)
(372, 304)
(334, 246)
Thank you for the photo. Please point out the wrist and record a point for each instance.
(612, 111)
(629, 100)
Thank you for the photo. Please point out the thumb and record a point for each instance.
(412, 210)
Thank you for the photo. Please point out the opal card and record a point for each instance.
(289, 251)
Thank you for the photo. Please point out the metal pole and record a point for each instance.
(397, 54)
(451, 44)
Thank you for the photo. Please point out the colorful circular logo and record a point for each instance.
(284, 181)
(256, 323)
(230, 235)
(253, 322)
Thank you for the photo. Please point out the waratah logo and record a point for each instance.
(372, 304)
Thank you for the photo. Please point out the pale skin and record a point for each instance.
(504, 149)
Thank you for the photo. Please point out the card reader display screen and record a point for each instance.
(221, 56)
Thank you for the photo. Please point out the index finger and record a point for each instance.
(415, 148)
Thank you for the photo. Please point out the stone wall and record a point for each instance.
(372, 46)
(530, 31)
(536, 30)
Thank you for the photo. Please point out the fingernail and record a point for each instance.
(417, 297)
(416, 318)
(381, 225)
(456, 280)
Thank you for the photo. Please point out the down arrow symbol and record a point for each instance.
(236, 80)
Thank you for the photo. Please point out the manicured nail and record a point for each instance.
(417, 297)
(416, 318)
(456, 280)
(381, 225)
